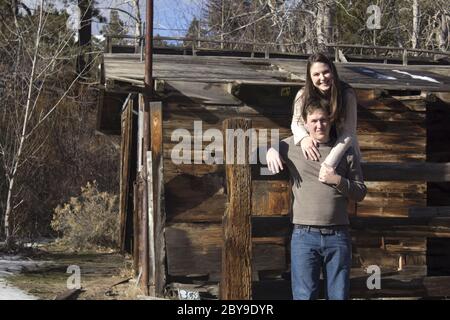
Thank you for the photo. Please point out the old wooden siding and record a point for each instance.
(195, 193)
(390, 129)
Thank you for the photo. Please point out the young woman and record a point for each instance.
(322, 82)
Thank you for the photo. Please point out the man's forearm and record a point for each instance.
(354, 190)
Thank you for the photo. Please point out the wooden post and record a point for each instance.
(157, 216)
(135, 229)
(236, 280)
(143, 236)
(125, 151)
(144, 137)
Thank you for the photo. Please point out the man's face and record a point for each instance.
(318, 125)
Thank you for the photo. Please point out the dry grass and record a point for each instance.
(101, 271)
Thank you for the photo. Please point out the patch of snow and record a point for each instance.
(375, 74)
(9, 292)
(10, 265)
(415, 76)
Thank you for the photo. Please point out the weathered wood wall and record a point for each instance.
(390, 129)
(196, 193)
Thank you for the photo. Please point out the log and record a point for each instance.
(420, 171)
(236, 282)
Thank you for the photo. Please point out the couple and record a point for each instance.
(323, 159)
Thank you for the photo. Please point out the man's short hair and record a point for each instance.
(313, 105)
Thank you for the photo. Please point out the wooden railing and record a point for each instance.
(268, 48)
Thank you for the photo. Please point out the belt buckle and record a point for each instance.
(326, 231)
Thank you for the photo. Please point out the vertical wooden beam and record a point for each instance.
(156, 203)
(143, 201)
(135, 229)
(236, 281)
(143, 237)
(125, 150)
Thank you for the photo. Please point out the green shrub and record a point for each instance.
(89, 221)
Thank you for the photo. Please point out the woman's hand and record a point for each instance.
(310, 148)
(328, 175)
(274, 161)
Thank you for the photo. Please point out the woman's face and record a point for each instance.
(321, 76)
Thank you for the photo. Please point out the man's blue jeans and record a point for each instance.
(313, 249)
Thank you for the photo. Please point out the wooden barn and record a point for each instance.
(195, 223)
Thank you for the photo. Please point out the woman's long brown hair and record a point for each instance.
(337, 107)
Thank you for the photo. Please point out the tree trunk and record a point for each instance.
(319, 23)
(309, 36)
(8, 211)
(222, 23)
(415, 33)
(443, 34)
(84, 36)
(324, 23)
(328, 20)
(138, 26)
(276, 20)
(25, 123)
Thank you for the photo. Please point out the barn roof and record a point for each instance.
(129, 69)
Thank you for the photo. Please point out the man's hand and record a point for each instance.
(328, 175)
(274, 161)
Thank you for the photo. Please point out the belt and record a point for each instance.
(322, 229)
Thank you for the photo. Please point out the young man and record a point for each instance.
(321, 237)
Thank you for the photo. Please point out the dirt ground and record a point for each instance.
(105, 275)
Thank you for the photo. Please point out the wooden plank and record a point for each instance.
(159, 216)
(374, 155)
(442, 211)
(236, 282)
(109, 111)
(196, 248)
(136, 219)
(125, 152)
(433, 172)
(198, 93)
(413, 144)
(271, 198)
(272, 226)
(142, 237)
(405, 171)
(194, 197)
(144, 240)
(415, 104)
(410, 284)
